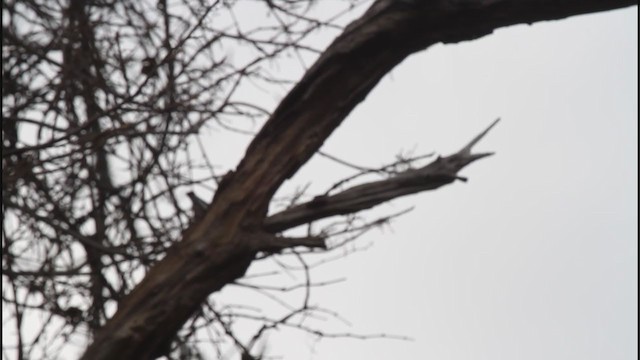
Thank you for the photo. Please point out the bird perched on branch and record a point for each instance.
(149, 67)
(199, 206)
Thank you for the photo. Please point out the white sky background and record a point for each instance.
(536, 256)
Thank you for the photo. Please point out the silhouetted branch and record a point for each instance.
(440, 172)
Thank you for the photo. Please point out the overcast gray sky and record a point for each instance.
(536, 256)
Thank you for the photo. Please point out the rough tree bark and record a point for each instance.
(219, 248)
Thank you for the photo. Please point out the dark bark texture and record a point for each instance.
(219, 247)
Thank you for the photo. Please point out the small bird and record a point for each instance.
(74, 315)
(199, 205)
(149, 67)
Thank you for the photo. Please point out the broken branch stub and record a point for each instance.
(440, 172)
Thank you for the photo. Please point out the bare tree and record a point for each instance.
(103, 103)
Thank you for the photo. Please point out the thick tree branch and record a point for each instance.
(354, 63)
(213, 251)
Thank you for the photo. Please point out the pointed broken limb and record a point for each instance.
(467, 149)
(440, 172)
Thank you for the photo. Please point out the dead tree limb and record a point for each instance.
(441, 171)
